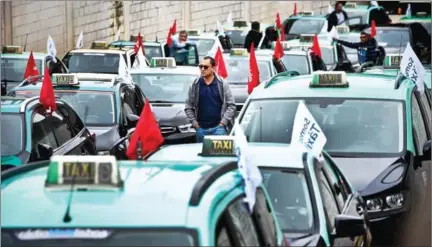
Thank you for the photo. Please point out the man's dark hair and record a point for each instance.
(212, 60)
(337, 3)
(183, 32)
(363, 32)
(255, 26)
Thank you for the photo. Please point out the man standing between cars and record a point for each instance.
(336, 17)
(366, 48)
(254, 35)
(210, 106)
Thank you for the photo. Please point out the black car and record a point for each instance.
(29, 133)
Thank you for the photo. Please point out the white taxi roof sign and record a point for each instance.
(421, 14)
(342, 29)
(99, 45)
(193, 32)
(307, 38)
(162, 62)
(12, 49)
(238, 52)
(350, 5)
(218, 146)
(240, 24)
(392, 59)
(307, 13)
(85, 172)
(329, 79)
(64, 79)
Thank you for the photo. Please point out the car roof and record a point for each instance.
(262, 154)
(182, 70)
(11, 104)
(151, 190)
(268, 52)
(263, 57)
(370, 86)
(90, 85)
(25, 55)
(314, 17)
(107, 51)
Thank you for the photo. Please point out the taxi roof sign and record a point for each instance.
(64, 79)
(307, 38)
(350, 5)
(162, 62)
(329, 79)
(84, 172)
(99, 45)
(238, 52)
(421, 14)
(193, 32)
(392, 59)
(307, 13)
(12, 49)
(218, 146)
(342, 29)
(240, 24)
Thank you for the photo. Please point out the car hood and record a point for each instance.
(105, 137)
(171, 114)
(361, 172)
(302, 239)
(240, 93)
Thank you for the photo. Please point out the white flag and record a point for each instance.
(333, 33)
(374, 3)
(408, 11)
(329, 9)
(80, 41)
(306, 134)
(117, 36)
(249, 171)
(51, 49)
(220, 29)
(411, 67)
(123, 69)
(229, 21)
(140, 60)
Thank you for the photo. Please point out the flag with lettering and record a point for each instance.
(51, 48)
(31, 69)
(249, 171)
(253, 80)
(411, 67)
(47, 97)
(307, 135)
(140, 60)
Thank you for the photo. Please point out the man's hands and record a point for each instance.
(196, 126)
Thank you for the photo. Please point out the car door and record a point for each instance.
(128, 107)
(42, 136)
(66, 138)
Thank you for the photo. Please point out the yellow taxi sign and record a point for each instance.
(307, 13)
(342, 29)
(84, 172)
(329, 79)
(307, 38)
(193, 32)
(218, 146)
(12, 49)
(238, 52)
(64, 80)
(162, 62)
(99, 45)
(350, 5)
(392, 59)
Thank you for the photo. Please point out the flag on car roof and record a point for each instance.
(51, 48)
(31, 69)
(47, 97)
(278, 50)
(220, 64)
(278, 21)
(411, 67)
(147, 132)
(229, 21)
(316, 47)
(139, 44)
(373, 28)
(174, 27)
(253, 80)
(295, 8)
(80, 41)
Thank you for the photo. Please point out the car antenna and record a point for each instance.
(25, 43)
(261, 123)
(67, 217)
(399, 74)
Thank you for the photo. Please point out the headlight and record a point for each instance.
(104, 153)
(186, 128)
(386, 203)
(395, 201)
(374, 204)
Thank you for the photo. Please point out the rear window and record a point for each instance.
(152, 51)
(204, 46)
(238, 70)
(298, 63)
(98, 237)
(304, 26)
(12, 69)
(92, 63)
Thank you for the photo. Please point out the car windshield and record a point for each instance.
(237, 36)
(298, 63)
(203, 45)
(395, 38)
(98, 237)
(12, 69)
(290, 197)
(164, 87)
(361, 126)
(92, 63)
(238, 70)
(95, 108)
(152, 51)
(304, 26)
(11, 134)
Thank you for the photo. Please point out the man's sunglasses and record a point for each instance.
(203, 66)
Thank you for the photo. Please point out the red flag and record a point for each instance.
(31, 69)
(295, 8)
(373, 29)
(253, 80)
(147, 132)
(47, 97)
(316, 47)
(174, 27)
(220, 63)
(169, 38)
(282, 33)
(138, 44)
(278, 51)
(278, 21)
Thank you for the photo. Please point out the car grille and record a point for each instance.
(166, 130)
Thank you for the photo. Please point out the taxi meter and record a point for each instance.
(218, 146)
(329, 79)
(162, 62)
(83, 172)
(64, 80)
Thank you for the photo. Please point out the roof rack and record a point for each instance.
(205, 181)
(23, 168)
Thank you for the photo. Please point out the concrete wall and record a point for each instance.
(100, 20)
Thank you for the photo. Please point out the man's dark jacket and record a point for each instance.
(367, 51)
(332, 19)
(252, 36)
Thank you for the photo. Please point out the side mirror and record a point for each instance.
(349, 226)
(132, 120)
(427, 150)
(45, 151)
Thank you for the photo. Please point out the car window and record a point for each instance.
(330, 206)
(419, 128)
(203, 45)
(12, 128)
(42, 132)
(92, 62)
(240, 224)
(74, 120)
(128, 99)
(59, 125)
(393, 38)
(236, 70)
(152, 51)
(334, 182)
(12, 69)
(304, 26)
(298, 63)
(264, 219)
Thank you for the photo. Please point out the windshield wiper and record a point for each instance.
(160, 101)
